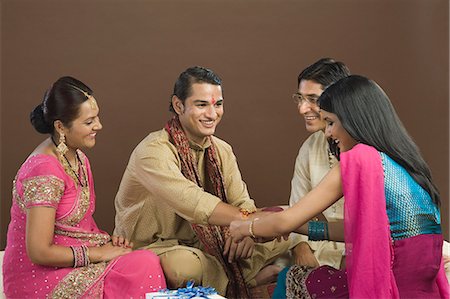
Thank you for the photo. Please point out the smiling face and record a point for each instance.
(336, 131)
(201, 112)
(310, 91)
(83, 130)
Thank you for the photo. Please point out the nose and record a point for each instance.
(98, 126)
(304, 107)
(211, 112)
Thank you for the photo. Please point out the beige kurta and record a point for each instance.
(312, 163)
(156, 203)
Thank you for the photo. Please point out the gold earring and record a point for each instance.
(62, 147)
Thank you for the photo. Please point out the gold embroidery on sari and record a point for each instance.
(83, 202)
(81, 206)
(96, 291)
(40, 190)
(75, 284)
(94, 239)
(16, 195)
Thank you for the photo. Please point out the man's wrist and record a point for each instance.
(302, 246)
(245, 214)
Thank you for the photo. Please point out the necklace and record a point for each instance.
(74, 173)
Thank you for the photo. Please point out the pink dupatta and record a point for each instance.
(369, 246)
(368, 243)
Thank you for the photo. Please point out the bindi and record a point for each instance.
(213, 101)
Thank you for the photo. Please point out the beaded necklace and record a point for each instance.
(73, 173)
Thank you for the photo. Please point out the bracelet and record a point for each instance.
(318, 230)
(74, 254)
(250, 228)
(245, 213)
(80, 256)
(86, 255)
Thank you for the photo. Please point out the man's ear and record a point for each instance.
(177, 105)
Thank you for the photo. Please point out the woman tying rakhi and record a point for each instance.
(54, 247)
(391, 216)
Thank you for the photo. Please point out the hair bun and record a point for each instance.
(37, 119)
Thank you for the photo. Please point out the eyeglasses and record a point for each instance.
(299, 99)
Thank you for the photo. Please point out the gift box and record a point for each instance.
(174, 295)
(189, 292)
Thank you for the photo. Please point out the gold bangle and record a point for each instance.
(250, 228)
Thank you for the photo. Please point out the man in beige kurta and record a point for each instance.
(314, 160)
(156, 203)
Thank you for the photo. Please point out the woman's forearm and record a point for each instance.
(53, 255)
(335, 230)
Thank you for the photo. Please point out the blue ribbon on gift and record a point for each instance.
(190, 291)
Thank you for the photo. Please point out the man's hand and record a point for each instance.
(304, 256)
(238, 250)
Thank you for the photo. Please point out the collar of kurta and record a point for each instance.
(195, 146)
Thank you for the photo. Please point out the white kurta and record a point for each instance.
(312, 163)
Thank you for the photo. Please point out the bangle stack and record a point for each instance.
(80, 256)
(250, 228)
(318, 231)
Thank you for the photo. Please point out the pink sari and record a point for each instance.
(378, 267)
(42, 181)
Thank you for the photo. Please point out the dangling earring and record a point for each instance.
(62, 147)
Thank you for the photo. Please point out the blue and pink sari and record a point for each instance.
(392, 234)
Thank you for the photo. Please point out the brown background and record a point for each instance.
(130, 53)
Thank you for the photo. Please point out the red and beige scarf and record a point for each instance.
(211, 236)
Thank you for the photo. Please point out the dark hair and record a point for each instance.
(61, 102)
(368, 116)
(196, 74)
(325, 71)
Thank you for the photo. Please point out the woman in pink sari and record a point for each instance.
(54, 247)
(391, 216)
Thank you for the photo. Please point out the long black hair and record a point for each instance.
(367, 114)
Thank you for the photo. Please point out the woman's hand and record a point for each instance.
(240, 229)
(117, 247)
(107, 252)
(121, 241)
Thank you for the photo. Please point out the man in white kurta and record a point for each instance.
(314, 160)
(312, 163)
